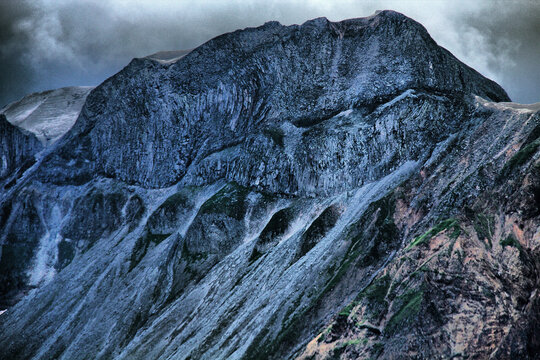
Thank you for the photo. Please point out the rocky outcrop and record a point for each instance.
(464, 283)
(329, 190)
(17, 148)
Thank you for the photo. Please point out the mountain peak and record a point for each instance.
(317, 22)
(249, 79)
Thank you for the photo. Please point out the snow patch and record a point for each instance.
(345, 113)
(522, 108)
(168, 57)
(43, 271)
(400, 97)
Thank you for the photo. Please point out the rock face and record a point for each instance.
(329, 190)
(271, 82)
(464, 284)
(17, 154)
(17, 148)
(27, 127)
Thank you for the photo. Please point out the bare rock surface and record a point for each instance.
(17, 147)
(316, 191)
(251, 89)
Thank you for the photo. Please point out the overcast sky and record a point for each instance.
(47, 44)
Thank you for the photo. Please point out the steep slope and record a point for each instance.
(27, 127)
(464, 284)
(17, 153)
(49, 114)
(260, 197)
(17, 148)
(225, 92)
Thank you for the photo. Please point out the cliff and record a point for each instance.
(17, 148)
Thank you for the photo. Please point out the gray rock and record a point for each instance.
(153, 124)
(231, 203)
(17, 148)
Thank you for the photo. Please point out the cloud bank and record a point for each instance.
(48, 44)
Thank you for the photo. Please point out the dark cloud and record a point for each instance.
(15, 78)
(48, 44)
(512, 35)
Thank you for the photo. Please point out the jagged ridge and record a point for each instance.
(152, 124)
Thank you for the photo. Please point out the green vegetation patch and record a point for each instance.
(295, 305)
(346, 311)
(484, 225)
(276, 134)
(376, 292)
(352, 342)
(374, 296)
(510, 240)
(326, 331)
(520, 158)
(192, 256)
(342, 347)
(385, 231)
(377, 349)
(230, 200)
(174, 200)
(366, 238)
(409, 309)
(173, 204)
(448, 224)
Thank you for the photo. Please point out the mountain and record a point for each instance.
(326, 190)
(48, 114)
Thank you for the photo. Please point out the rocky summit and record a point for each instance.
(330, 190)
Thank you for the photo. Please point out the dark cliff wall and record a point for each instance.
(17, 147)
